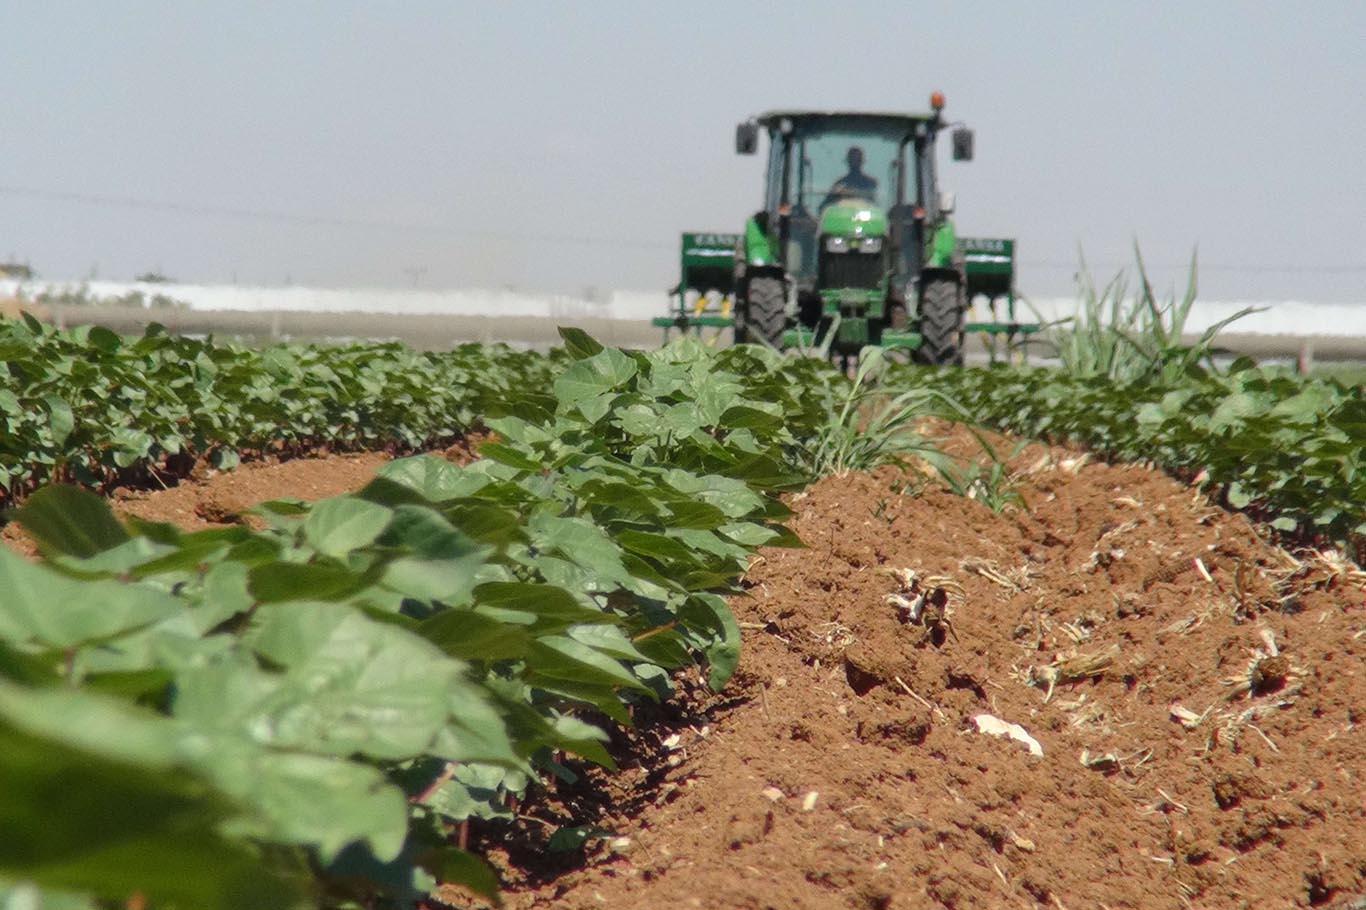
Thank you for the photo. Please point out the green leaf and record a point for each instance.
(277, 581)
(751, 418)
(29, 669)
(505, 454)
(608, 640)
(562, 658)
(448, 580)
(581, 542)
(711, 612)
(1238, 497)
(472, 635)
(426, 532)
(61, 419)
(657, 546)
(103, 340)
(579, 343)
(41, 607)
(349, 685)
(335, 527)
(65, 519)
(565, 840)
(434, 478)
(548, 602)
(28, 896)
(585, 379)
(114, 822)
(453, 866)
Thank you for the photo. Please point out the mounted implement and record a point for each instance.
(853, 246)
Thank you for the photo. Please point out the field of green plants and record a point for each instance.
(306, 713)
(1282, 447)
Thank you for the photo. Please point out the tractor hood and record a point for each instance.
(853, 218)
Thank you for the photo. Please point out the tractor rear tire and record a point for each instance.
(764, 314)
(941, 325)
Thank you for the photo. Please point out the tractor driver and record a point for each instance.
(855, 184)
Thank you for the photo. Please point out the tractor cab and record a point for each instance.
(845, 195)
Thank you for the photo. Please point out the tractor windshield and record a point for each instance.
(834, 160)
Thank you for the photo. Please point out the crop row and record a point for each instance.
(91, 407)
(304, 713)
(1284, 447)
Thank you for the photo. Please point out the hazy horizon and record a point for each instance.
(558, 148)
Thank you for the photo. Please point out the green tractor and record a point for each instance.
(854, 245)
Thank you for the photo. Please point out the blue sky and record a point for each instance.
(565, 146)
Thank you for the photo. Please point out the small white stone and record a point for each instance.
(809, 801)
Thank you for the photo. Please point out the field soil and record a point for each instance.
(214, 499)
(1196, 694)
(1197, 697)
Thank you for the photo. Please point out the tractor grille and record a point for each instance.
(850, 270)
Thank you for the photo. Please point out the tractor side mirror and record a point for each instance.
(747, 138)
(962, 144)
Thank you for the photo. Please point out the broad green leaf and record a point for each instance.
(277, 581)
(448, 580)
(562, 658)
(434, 478)
(657, 546)
(548, 602)
(505, 454)
(454, 866)
(335, 527)
(39, 606)
(712, 612)
(608, 640)
(113, 817)
(28, 896)
(61, 420)
(67, 520)
(473, 635)
(603, 372)
(579, 343)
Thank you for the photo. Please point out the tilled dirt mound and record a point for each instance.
(226, 498)
(211, 499)
(1196, 695)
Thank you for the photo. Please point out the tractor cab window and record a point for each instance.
(773, 192)
(830, 160)
(835, 163)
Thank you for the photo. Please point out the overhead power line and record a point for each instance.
(1202, 266)
(307, 220)
(310, 220)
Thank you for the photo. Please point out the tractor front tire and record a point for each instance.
(764, 314)
(942, 317)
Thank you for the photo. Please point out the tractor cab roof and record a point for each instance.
(770, 119)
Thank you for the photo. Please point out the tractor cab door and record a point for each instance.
(908, 217)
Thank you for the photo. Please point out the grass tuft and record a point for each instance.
(1125, 337)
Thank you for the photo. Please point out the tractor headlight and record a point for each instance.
(869, 245)
(836, 245)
